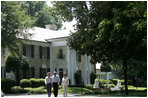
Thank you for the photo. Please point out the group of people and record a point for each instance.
(53, 81)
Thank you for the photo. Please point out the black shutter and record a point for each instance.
(48, 52)
(40, 51)
(32, 51)
(40, 72)
(24, 50)
(32, 72)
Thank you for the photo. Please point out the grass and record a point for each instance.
(76, 90)
(133, 91)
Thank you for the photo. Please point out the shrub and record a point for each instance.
(18, 89)
(25, 83)
(77, 77)
(42, 83)
(89, 86)
(114, 81)
(101, 83)
(38, 90)
(110, 82)
(111, 85)
(92, 77)
(6, 85)
(122, 82)
(35, 82)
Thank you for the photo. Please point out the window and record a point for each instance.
(78, 56)
(60, 55)
(44, 52)
(43, 72)
(28, 50)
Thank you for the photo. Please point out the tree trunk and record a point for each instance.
(125, 75)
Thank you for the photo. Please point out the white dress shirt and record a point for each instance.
(55, 78)
(65, 81)
(48, 80)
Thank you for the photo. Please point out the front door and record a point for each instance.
(61, 74)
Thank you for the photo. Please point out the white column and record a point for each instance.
(51, 60)
(69, 63)
(89, 68)
(85, 69)
(73, 63)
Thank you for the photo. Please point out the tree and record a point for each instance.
(43, 13)
(13, 22)
(18, 64)
(108, 31)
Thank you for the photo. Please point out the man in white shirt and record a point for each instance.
(56, 81)
(48, 83)
(65, 83)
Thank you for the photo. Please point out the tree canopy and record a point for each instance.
(108, 31)
(13, 22)
(42, 12)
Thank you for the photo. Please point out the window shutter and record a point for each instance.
(40, 51)
(32, 51)
(32, 72)
(40, 72)
(24, 50)
(48, 52)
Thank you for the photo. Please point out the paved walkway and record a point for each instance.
(39, 95)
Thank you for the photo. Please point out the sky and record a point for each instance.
(67, 25)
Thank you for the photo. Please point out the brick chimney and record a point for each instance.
(51, 26)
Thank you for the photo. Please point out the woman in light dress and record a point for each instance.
(64, 84)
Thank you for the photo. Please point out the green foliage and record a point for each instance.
(13, 21)
(105, 67)
(110, 85)
(102, 82)
(18, 64)
(43, 13)
(109, 31)
(108, 81)
(18, 90)
(92, 77)
(37, 82)
(38, 90)
(25, 83)
(12, 62)
(6, 85)
(77, 77)
(89, 86)
(114, 81)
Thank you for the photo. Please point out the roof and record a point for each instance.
(41, 34)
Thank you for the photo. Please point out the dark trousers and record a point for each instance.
(55, 88)
(48, 87)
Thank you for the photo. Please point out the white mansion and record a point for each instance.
(47, 50)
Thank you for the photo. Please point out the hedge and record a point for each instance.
(18, 89)
(6, 85)
(35, 82)
(25, 83)
(38, 90)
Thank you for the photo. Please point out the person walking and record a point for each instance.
(64, 84)
(56, 81)
(48, 83)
